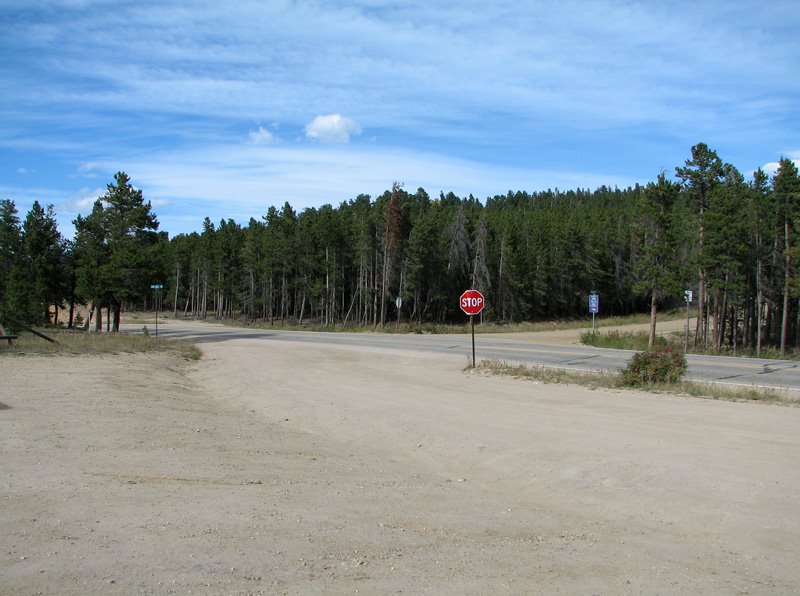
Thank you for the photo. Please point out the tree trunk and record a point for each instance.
(177, 283)
(760, 307)
(651, 342)
(327, 305)
(785, 319)
(715, 316)
(204, 301)
(384, 284)
(721, 316)
(302, 310)
(117, 314)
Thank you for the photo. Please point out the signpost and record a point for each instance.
(398, 303)
(472, 303)
(687, 295)
(157, 288)
(594, 305)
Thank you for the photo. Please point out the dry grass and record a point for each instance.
(541, 374)
(82, 343)
(393, 326)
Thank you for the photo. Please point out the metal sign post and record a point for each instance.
(398, 303)
(594, 306)
(157, 288)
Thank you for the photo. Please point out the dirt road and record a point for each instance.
(272, 467)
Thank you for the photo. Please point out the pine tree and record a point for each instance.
(392, 244)
(656, 266)
(425, 266)
(458, 256)
(481, 279)
(10, 249)
(117, 248)
(700, 175)
(786, 185)
(760, 209)
(725, 252)
(44, 281)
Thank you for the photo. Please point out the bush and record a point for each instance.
(663, 365)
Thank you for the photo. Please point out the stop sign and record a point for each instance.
(472, 302)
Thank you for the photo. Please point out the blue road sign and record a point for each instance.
(594, 303)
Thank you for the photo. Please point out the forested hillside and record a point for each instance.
(733, 241)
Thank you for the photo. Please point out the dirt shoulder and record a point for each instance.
(272, 467)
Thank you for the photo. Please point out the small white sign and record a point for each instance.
(687, 295)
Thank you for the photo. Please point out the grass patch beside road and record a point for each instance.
(82, 343)
(432, 328)
(637, 341)
(621, 340)
(542, 374)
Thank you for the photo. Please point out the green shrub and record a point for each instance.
(662, 365)
(625, 340)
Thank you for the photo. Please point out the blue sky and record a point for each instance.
(222, 109)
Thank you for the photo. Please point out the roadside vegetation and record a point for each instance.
(621, 340)
(638, 341)
(486, 327)
(621, 380)
(82, 343)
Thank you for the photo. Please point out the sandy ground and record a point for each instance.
(272, 467)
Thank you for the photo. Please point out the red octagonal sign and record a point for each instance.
(472, 302)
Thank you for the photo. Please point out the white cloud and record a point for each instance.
(772, 167)
(261, 136)
(88, 170)
(85, 200)
(243, 181)
(333, 128)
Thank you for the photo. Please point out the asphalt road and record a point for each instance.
(780, 374)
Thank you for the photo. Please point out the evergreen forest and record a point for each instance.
(734, 242)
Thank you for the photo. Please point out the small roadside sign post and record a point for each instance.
(398, 303)
(594, 305)
(157, 288)
(472, 303)
(687, 295)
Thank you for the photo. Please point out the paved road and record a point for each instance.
(782, 374)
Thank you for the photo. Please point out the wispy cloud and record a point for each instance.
(243, 181)
(261, 136)
(601, 65)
